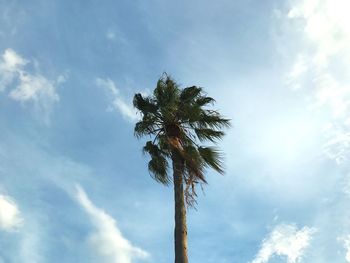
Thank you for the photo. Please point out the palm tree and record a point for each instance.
(179, 120)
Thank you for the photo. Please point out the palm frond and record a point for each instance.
(194, 166)
(194, 163)
(212, 158)
(158, 168)
(208, 134)
(147, 126)
(189, 113)
(212, 119)
(158, 165)
(203, 100)
(163, 143)
(145, 105)
(189, 94)
(166, 93)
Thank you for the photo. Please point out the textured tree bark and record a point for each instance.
(180, 232)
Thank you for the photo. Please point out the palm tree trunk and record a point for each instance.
(180, 210)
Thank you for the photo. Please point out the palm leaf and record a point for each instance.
(145, 105)
(203, 100)
(148, 125)
(189, 94)
(209, 134)
(189, 113)
(212, 119)
(212, 158)
(166, 93)
(158, 165)
(158, 168)
(194, 163)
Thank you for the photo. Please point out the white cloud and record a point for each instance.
(108, 240)
(346, 244)
(118, 102)
(285, 240)
(325, 50)
(12, 61)
(10, 64)
(321, 33)
(337, 144)
(35, 88)
(325, 23)
(27, 86)
(347, 247)
(10, 217)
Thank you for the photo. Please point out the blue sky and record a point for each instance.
(74, 185)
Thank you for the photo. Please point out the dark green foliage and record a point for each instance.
(145, 105)
(208, 134)
(178, 121)
(212, 157)
(158, 165)
(202, 100)
(189, 94)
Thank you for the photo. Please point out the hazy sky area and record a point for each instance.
(74, 185)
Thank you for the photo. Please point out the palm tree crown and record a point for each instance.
(180, 120)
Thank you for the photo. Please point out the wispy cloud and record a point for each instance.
(11, 65)
(10, 216)
(285, 240)
(26, 86)
(108, 240)
(118, 102)
(345, 240)
(321, 34)
(347, 247)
